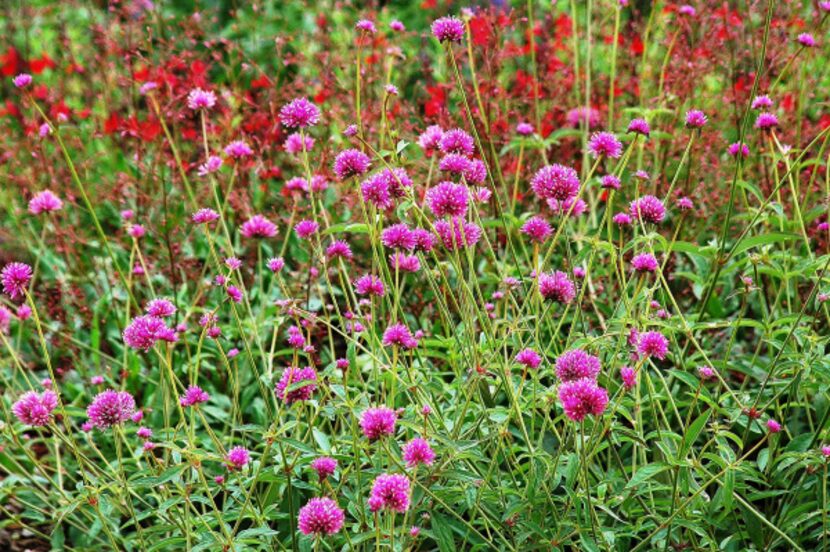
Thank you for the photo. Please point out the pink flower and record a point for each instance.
(289, 389)
(766, 121)
(581, 398)
(404, 262)
(457, 141)
(648, 209)
(22, 80)
(762, 102)
(687, 10)
(448, 199)
(366, 26)
(555, 182)
(275, 264)
(324, 466)
(390, 492)
(320, 516)
(629, 377)
(524, 129)
(299, 113)
(610, 182)
(15, 278)
(537, 229)
(653, 343)
(424, 239)
(44, 202)
(579, 115)
(556, 286)
(378, 422)
(296, 144)
(448, 29)
(238, 150)
(773, 426)
(369, 285)
(339, 249)
(200, 99)
(738, 148)
(144, 331)
(5, 319)
(455, 164)
(213, 164)
(639, 126)
(695, 119)
(417, 451)
(705, 372)
(306, 228)
(144, 432)
(825, 450)
(398, 335)
(605, 144)
(398, 236)
(193, 395)
(161, 308)
(806, 40)
(233, 263)
(457, 233)
(237, 458)
(577, 364)
(204, 216)
(35, 409)
(529, 358)
(430, 139)
(644, 262)
(350, 162)
(685, 204)
(110, 408)
(258, 227)
(396, 25)
(137, 231)
(621, 219)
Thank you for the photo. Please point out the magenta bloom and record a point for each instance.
(160, 308)
(577, 364)
(299, 113)
(629, 377)
(457, 141)
(806, 40)
(524, 129)
(396, 25)
(404, 262)
(455, 164)
(448, 199)
(644, 262)
(430, 139)
(193, 395)
(5, 319)
(457, 233)
(390, 492)
(448, 29)
(366, 26)
(200, 99)
(237, 458)
(762, 102)
(653, 344)
(287, 388)
(529, 358)
(766, 121)
(621, 219)
(350, 162)
(579, 115)
(238, 149)
(295, 143)
(110, 408)
(572, 207)
(369, 285)
(555, 182)
(144, 331)
(537, 229)
(44, 202)
(398, 236)
(35, 409)
(605, 144)
(581, 398)
(417, 451)
(398, 335)
(556, 286)
(22, 80)
(695, 119)
(706, 372)
(204, 216)
(144, 432)
(324, 466)
(685, 204)
(738, 148)
(773, 426)
(275, 264)
(213, 164)
(639, 126)
(320, 516)
(648, 209)
(258, 227)
(375, 190)
(610, 182)
(306, 228)
(339, 249)
(378, 422)
(424, 239)
(15, 278)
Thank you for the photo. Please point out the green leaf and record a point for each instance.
(647, 472)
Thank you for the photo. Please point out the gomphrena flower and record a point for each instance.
(529, 358)
(144, 331)
(396, 25)
(200, 99)
(296, 143)
(766, 121)
(366, 26)
(398, 335)
(213, 164)
(35, 409)
(524, 129)
(291, 388)
(22, 80)
(610, 182)
(238, 149)
(275, 264)
(258, 227)
(639, 126)
(369, 285)
(44, 202)
(577, 364)
(390, 492)
(324, 466)
(110, 408)
(695, 119)
(448, 29)
(555, 182)
(604, 144)
(350, 162)
(161, 308)
(299, 113)
(417, 451)
(629, 377)
(556, 286)
(403, 262)
(581, 398)
(648, 209)
(306, 228)
(430, 139)
(424, 239)
(762, 102)
(537, 229)
(652, 343)
(685, 204)
(455, 164)
(807, 40)
(457, 141)
(204, 216)
(687, 10)
(339, 249)
(738, 148)
(237, 458)
(378, 422)
(644, 262)
(448, 199)
(578, 116)
(5, 319)
(476, 173)
(706, 372)
(375, 190)
(296, 339)
(193, 395)
(457, 233)
(15, 278)
(320, 516)
(398, 236)
(773, 426)
(621, 219)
